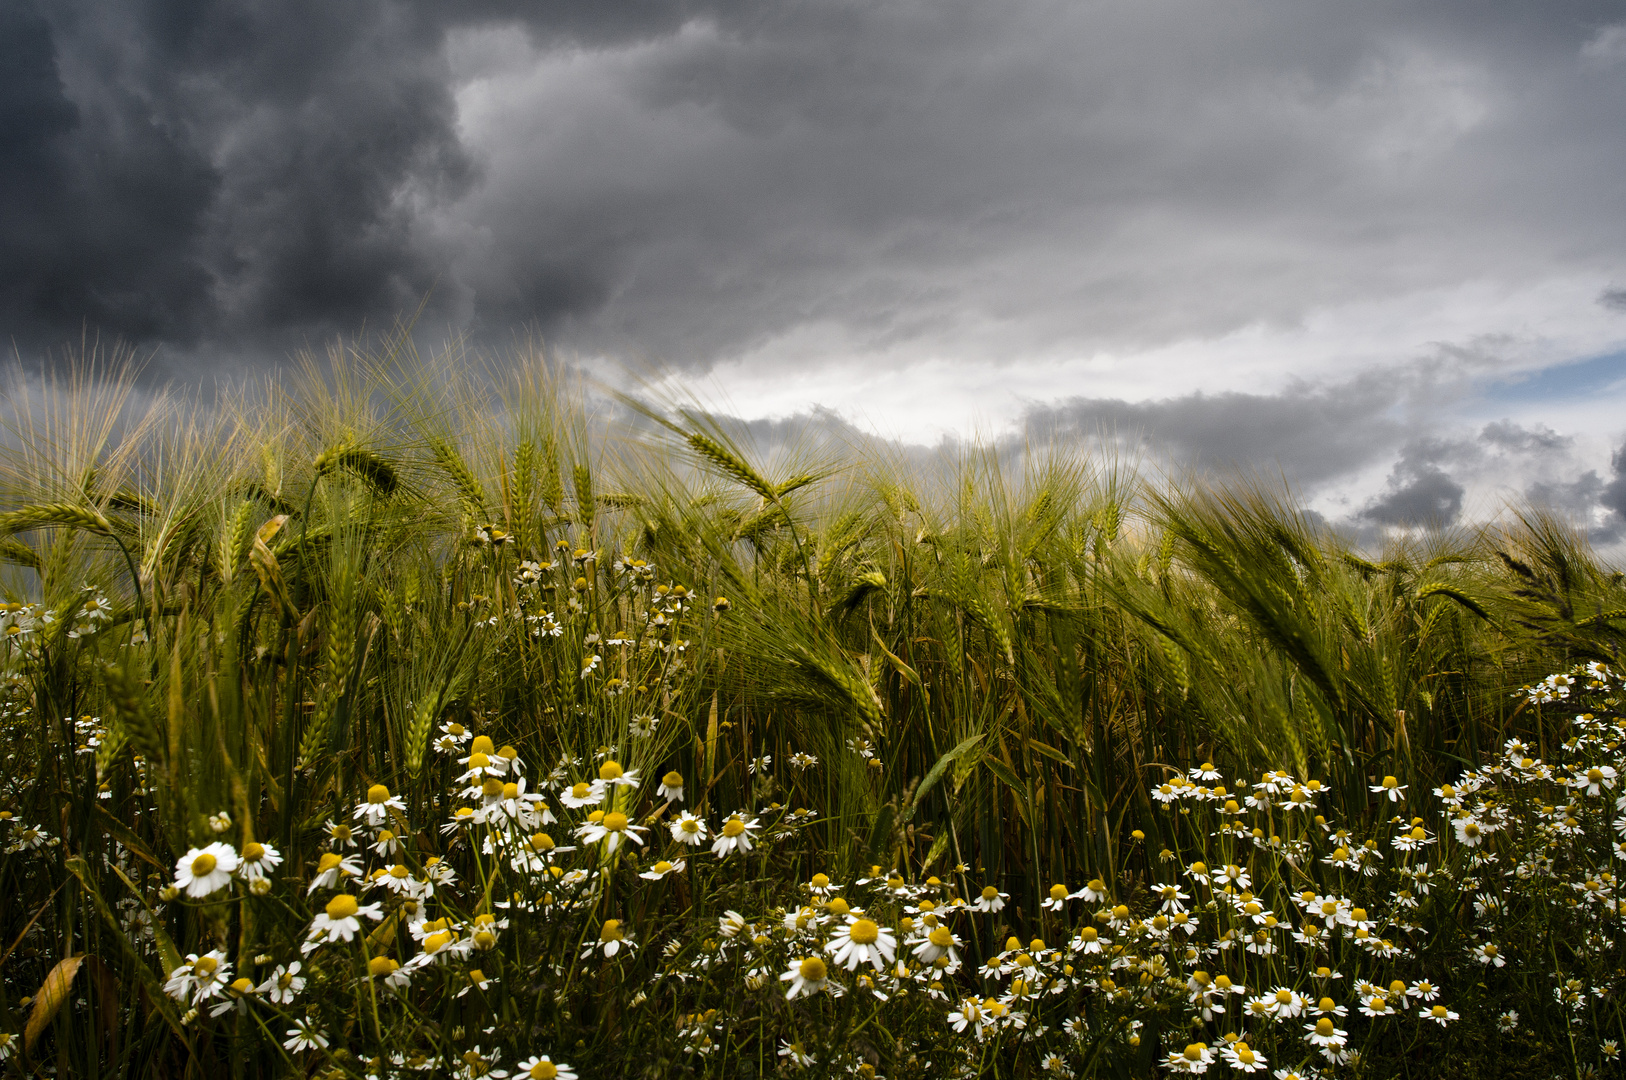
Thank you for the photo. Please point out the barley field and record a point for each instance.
(379, 722)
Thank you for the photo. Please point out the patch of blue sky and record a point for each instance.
(1598, 376)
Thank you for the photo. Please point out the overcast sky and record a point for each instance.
(1380, 247)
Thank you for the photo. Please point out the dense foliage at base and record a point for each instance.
(391, 727)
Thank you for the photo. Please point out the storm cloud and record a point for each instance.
(1247, 231)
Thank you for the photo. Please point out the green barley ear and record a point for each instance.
(238, 539)
(133, 717)
(314, 742)
(417, 741)
(468, 488)
(19, 554)
(553, 486)
(62, 515)
(524, 485)
(729, 463)
(375, 471)
(583, 477)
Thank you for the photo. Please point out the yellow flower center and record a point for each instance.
(1323, 1027)
(1284, 997)
(205, 965)
(378, 793)
(1058, 892)
(478, 760)
(253, 852)
(1194, 1052)
(821, 881)
(942, 937)
(541, 841)
(1325, 1005)
(1439, 1011)
(838, 906)
(610, 770)
(864, 932)
(673, 779)
(690, 826)
(492, 787)
(436, 942)
(989, 892)
(1090, 933)
(543, 1070)
(510, 791)
(813, 970)
(615, 821)
(611, 930)
(1243, 1054)
(661, 867)
(482, 744)
(341, 907)
(381, 965)
(202, 865)
(579, 791)
(733, 827)
(400, 872)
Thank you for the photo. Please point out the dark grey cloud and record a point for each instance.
(1420, 491)
(1432, 475)
(1311, 434)
(695, 181)
(1613, 299)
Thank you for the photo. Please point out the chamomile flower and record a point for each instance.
(257, 861)
(1242, 1057)
(612, 829)
(1324, 1036)
(376, 810)
(1394, 789)
(234, 997)
(199, 978)
(938, 942)
(970, 1014)
(611, 775)
(1470, 831)
(284, 984)
(990, 900)
(332, 869)
(580, 795)
(612, 938)
(1439, 1014)
(1194, 1059)
(662, 868)
(542, 1067)
(304, 1035)
(1596, 780)
(808, 975)
(689, 828)
(862, 940)
(340, 920)
(1094, 890)
(671, 788)
(735, 835)
(204, 871)
(795, 1054)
